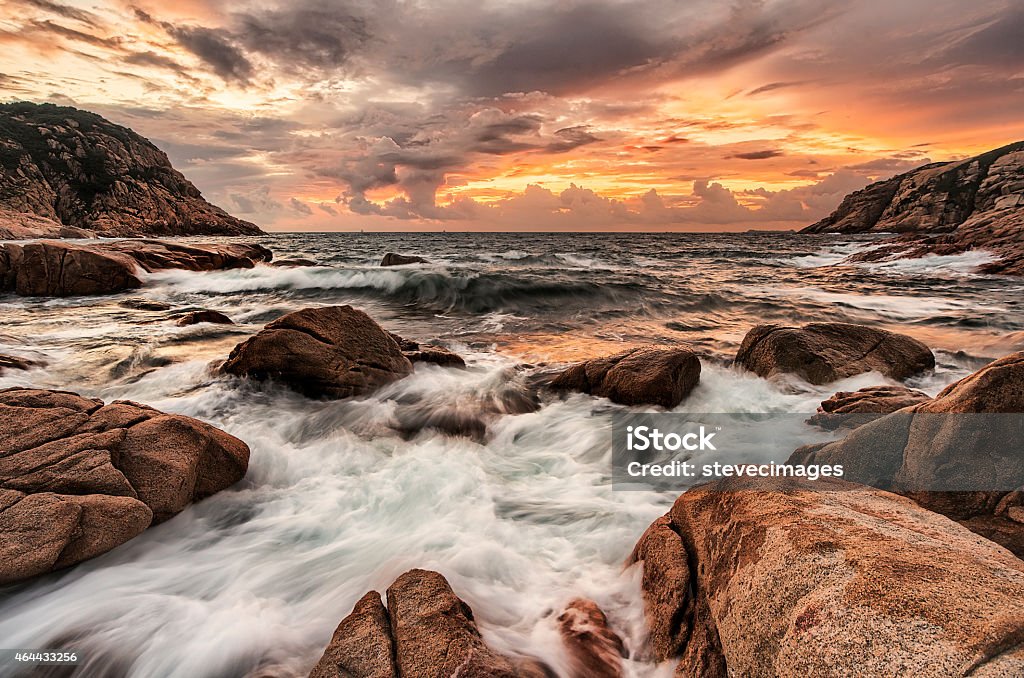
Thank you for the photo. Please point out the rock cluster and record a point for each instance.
(61, 269)
(78, 477)
(944, 208)
(63, 168)
(924, 449)
(824, 352)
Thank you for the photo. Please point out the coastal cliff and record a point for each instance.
(70, 173)
(944, 208)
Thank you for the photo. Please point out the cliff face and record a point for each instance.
(63, 170)
(944, 208)
(936, 198)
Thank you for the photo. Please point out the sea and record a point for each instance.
(340, 498)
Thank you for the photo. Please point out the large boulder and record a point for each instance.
(958, 454)
(332, 351)
(824, 352)
(78, 477)
(786, 580)
(61, 269)
(639, 376)
(426, 631)
(850, 409)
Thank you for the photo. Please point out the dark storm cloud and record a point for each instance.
(318, 35)
(570, 138)
(758, 155)
(999, 42)
(215, 49)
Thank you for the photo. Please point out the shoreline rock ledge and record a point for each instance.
(791, 579)
(78, 478)
(50, 268)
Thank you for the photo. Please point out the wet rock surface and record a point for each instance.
(640, 376)
(78, 478)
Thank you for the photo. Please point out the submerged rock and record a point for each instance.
(393, 259)
(78, 477)
(295, 262)
(60, 269)
(428, 353)
(425, 631)
(937, 444)
(847, 409)
(821, 353)
(789, 579)
(332, 351)
(205, 316)
(13, 362)
(595, 651)
(639, 376)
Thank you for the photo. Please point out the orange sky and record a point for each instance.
(524, 115)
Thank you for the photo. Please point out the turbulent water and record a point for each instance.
(337, 502)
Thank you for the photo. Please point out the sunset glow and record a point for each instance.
(319, 115)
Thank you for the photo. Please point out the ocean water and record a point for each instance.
(340, 498)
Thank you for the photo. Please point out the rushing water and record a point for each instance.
(253, 580)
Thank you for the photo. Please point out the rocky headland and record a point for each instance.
(943, 208)
(70, 173)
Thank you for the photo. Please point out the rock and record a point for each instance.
(639, 376)
(60, 269)
(821, 353)
(595, 651)
(70, 173)
(145, 305)
(392, 259)
(13, 362)
(961, 466)
(943, 208)
(847, 409)
(205, 316)
(665, 586)
(787, 581)
(78, 478)
(361, 646)
(295, 262)
(426, 353)
(332, 351)
(426, 631)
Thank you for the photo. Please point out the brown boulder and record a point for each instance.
(665, 586)
(786, 580)
(595, 651)
(957, 454)
(361, 646)
(824, 352)
(426, 631)
(78, 477)
(205, 316)
(332, 351)
(847, 409)
(639, 376)
(393, 259)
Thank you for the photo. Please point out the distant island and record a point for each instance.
(65, 172)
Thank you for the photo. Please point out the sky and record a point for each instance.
(388, 115)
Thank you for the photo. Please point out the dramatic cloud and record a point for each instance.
(305, 114)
